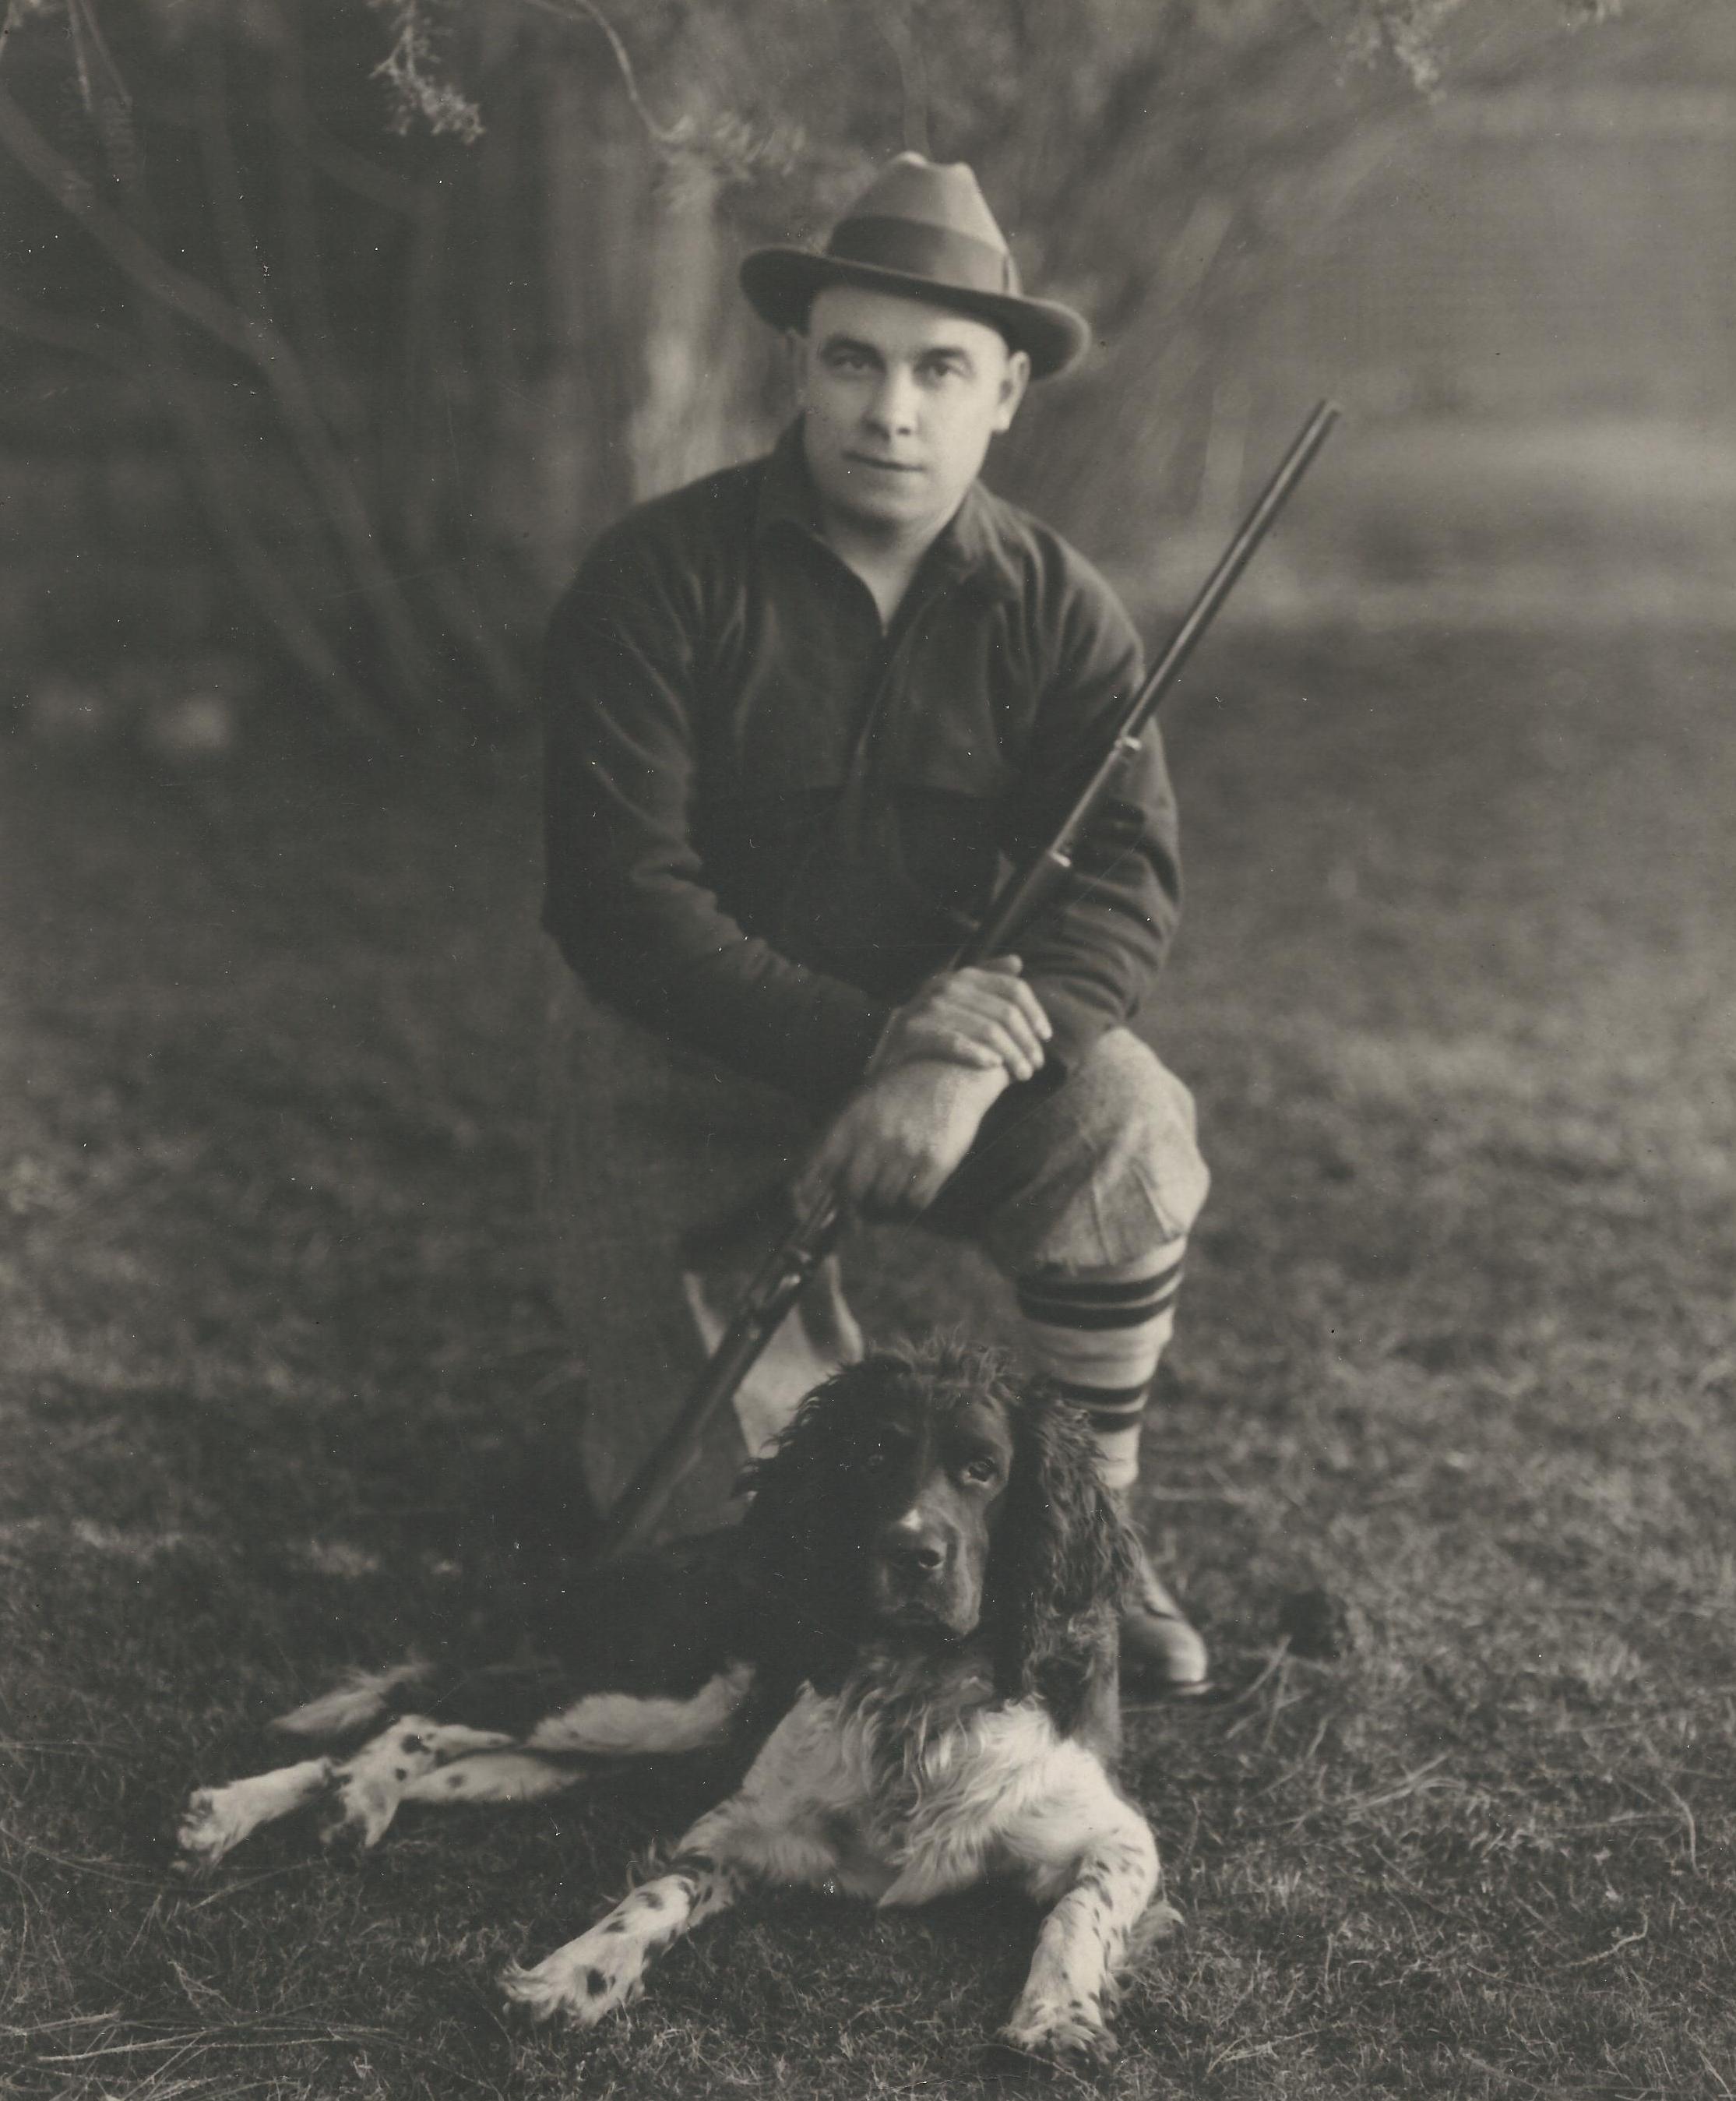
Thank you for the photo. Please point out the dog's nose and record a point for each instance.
(913, 1547)
(916, 1556)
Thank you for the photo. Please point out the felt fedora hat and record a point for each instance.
(923, 231)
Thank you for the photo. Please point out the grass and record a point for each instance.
(1458, 994)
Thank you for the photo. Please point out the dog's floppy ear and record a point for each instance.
(801, 1531)
(1062, 1564)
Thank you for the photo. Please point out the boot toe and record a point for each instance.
(1161, 1653)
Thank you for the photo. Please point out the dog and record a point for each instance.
(912, 1630)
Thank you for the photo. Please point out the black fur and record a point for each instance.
(788, 1589)
(1059, 1561)
(1066, 1565)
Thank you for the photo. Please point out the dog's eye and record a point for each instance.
(980, 1469)
(872, 1461)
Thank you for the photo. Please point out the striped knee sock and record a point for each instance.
(1099, 1336)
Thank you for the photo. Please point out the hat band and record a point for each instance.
(911, 245)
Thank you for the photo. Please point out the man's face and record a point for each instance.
(900, 400)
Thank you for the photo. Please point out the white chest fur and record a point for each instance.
(848, 1795)
(908, 1784)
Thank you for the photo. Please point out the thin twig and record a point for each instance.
(1279, 1657)
(1263, 2049)
(13, 1747)
(277, 2040)
(1603, 1954)
(1290, 1771)
(665, 135)
(1359, 1805)
(1687, 1813)
(253, 1882)
(66, 2021)
(100, 1868)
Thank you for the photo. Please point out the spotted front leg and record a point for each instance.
(605, 1968)
(1062, 2014)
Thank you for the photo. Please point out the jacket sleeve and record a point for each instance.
(1094, 951)
(626, 900)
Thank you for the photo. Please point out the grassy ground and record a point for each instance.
(1458, 995)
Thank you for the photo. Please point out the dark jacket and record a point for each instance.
(769, 818)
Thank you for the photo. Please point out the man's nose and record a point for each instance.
(893, 406)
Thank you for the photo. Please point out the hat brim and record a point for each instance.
(781, 284)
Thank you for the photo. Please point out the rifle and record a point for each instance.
(779, 1281)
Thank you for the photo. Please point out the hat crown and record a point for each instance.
(945, 194)
(931, 221)
(921, 230)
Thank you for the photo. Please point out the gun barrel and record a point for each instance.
(1021, 893)
(1234, 559)
(774, 1290)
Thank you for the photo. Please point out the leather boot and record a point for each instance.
(1161, 1652)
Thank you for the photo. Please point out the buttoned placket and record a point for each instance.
(938, 573)
(934, 577)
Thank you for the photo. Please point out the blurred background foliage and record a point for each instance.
(331, 330)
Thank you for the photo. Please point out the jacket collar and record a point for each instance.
(972, 547)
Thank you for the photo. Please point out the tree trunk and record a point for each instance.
(578, 455)
(679, 428)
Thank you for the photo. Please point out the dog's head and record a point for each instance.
(927, 1495)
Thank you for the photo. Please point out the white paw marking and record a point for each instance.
(216, 1819)
(586, 1980)
(1073, 2034)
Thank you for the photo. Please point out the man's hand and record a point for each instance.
(982, 1017)
(889, 1153)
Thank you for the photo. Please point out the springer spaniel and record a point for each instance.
(915, 1622)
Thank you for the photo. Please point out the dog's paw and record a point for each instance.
(1072, 2034)
(585, 1981)
(216, 1819)
(209, 1828)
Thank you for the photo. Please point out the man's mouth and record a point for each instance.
(883, 466)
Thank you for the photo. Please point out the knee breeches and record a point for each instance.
(651, 1151)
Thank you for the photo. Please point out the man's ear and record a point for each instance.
(1014, 382)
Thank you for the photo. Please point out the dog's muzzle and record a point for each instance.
(923, 1575)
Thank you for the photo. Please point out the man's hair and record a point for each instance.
(916, 299)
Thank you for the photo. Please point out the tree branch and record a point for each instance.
(269, 352)
(665, 136)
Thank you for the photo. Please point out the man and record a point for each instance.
(799, 714)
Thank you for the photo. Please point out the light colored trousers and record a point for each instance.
(661, 1173)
